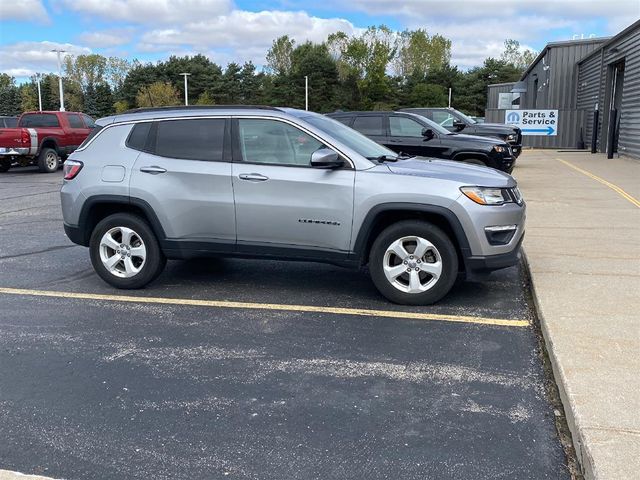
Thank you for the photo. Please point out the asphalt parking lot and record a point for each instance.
(256, 369)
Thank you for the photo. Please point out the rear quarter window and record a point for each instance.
(39, 120)
(138, 136)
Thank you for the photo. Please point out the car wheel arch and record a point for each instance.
(384, 215)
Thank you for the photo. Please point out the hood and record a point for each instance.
(476, 139)
(494, 128)
(464, 173)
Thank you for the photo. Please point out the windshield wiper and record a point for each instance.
(390, 158)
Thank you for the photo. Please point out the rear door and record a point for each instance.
(281, 201)
(184, 174)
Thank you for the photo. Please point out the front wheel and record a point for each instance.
(125, 252)
(413, 263)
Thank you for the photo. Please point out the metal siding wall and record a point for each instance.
(494, 91)
(629, 139)
(588, 93)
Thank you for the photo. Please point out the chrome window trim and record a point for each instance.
(226, 116)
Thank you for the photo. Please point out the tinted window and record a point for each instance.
(10, 122)
(88, 121)
(404, 127)
(345, 120)
(138, 136)
(270, 141)
(192, 139)
(369, 125)
(39, 120)
(75, 121)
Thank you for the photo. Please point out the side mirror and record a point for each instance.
(427, 133)
(458, 125)
(326, 158)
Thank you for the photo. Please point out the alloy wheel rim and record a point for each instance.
(412, 264)
(52, 160)
(122, 252)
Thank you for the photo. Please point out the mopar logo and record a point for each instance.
(513, 117)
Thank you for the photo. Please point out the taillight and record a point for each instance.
(71, 168)
(25, 138)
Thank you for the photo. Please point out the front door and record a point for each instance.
(281, 201)
(406, 137)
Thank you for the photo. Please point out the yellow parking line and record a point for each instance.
(613, 187)
(268, 306)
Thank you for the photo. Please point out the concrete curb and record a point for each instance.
(8, 475)
(582, 452)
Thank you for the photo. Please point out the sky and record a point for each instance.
(242, 30)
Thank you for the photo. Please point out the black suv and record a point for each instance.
(456, 121)
(415, 135)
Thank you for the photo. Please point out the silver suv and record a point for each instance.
(280, 183)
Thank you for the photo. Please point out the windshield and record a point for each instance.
(352, 139)
(466, 117)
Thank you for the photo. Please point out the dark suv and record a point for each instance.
(415, 135)
(456, 121)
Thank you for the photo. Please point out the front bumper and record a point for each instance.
(480, 266)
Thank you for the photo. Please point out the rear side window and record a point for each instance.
(10, 122)
(138, 136)
(191, 139)
(75, 121)
(369, 125)
(39, 120)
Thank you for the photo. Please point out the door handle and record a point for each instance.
(153, 170)
(253, 177)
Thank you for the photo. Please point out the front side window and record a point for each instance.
(88, 121)
(444, 119)
(190, 139)
(274, 142)
(75, 121)
(404, 127)
(369, 125)
(34, 120)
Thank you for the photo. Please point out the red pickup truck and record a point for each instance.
(43, 139)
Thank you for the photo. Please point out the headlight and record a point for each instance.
(487, 195)
(499, 149)
(511, 138)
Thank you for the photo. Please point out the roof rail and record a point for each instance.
(199, 107)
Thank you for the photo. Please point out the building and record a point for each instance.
(578, 78)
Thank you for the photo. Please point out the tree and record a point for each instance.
(9, 96)
(418, 53)
(158, 94)
(205, 99)
(279, 55)
(517, 56)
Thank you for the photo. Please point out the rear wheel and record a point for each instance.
(413, 263)
(125, 252)
(5, 165)
(48, 160)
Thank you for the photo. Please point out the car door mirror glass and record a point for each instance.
(326, 158)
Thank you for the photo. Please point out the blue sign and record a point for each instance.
(548, 130)
(534, 122)
(513, 117)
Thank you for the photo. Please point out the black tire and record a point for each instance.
(155, 260)
(437, 238)
(5, 165)
(45, 162)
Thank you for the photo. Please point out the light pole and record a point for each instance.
(186, 92)
(39, 92)
(306, 92)
(58, 51)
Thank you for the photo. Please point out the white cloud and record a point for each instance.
(107, 38)
(247, 34)
(151, 11)
(23, 10)
(24, 59)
